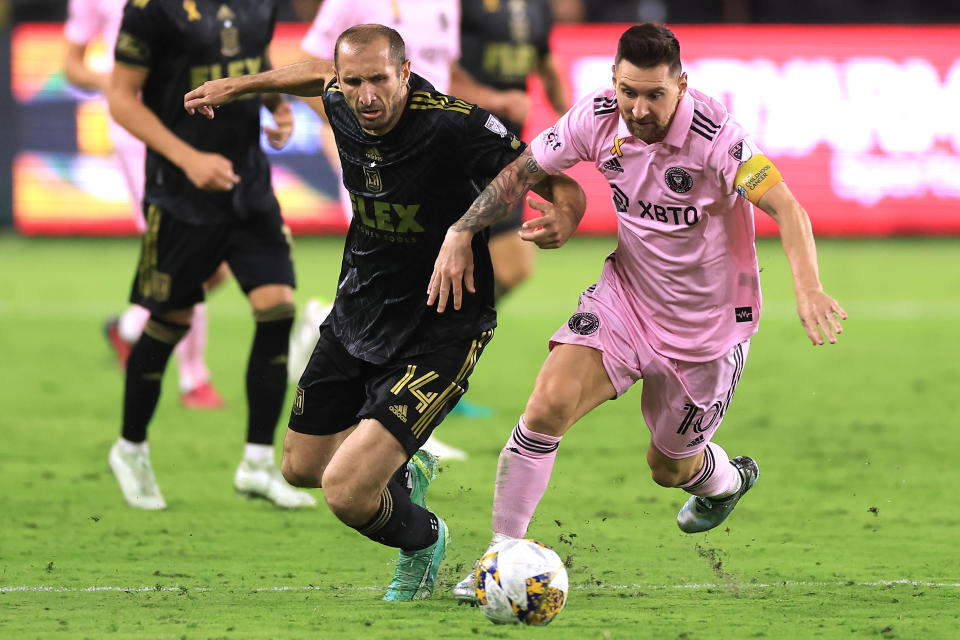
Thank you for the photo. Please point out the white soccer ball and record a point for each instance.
(521, 580)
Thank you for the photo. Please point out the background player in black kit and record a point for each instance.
(208, 199)
(501, 43)
(387, 368)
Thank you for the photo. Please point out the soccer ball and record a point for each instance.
(521, 580)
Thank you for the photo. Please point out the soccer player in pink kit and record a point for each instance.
(86, 20)
(676, 303)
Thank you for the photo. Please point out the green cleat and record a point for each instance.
(422, 468)
(417, 570)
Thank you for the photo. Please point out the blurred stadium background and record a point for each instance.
(860, 118)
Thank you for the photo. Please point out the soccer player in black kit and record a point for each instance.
(387, 367)
(208, 199)
(501, 43)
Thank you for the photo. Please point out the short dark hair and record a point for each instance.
(366, 33)
(649, 45)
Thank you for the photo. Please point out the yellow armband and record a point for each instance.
(755, 177)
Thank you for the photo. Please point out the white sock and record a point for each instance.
(134, 447)
(257, 453)
(131, 323)
(499, 537)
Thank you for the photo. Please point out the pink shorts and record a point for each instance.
(682, 403)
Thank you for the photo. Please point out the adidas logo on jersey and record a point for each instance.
(613, 165)
(399, 410)
(696, 441)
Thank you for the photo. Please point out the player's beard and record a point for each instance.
(653, 131)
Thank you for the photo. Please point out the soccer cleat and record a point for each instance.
(423, 470)
(469, 409)
(264, 480)
(416, 571)
(135, 477)
(121, 347)
(702, 514)
(442, 450)
(203, 396)
(466, 590)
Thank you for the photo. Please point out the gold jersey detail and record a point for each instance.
(616, 151)
(133, 47)
(190, 6)
(755, 177)
(140, 4)
(426, 100)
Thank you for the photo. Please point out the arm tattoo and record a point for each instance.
(502, 194)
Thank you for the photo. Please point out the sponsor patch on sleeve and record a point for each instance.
(133, 47)
(494, 124)
(551, 138)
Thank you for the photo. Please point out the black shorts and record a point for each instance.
(410, 397)
(177, 258)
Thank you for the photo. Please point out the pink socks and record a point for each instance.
(523, 472)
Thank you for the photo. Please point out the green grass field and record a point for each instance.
(851, 531)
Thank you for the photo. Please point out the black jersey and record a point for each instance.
(407, 188)
(184, 44)
(503, 42)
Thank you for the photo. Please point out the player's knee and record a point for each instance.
(550, 408)
(344, 502)
(299, 475)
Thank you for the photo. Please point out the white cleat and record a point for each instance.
(135, 477)
(466, 590)
(443, 450)
(303, 338)
(264, 480)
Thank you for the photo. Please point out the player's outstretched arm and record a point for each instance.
(819, 313)
(306, 78)
(453, 269)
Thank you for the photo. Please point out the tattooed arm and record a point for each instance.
(453, 269)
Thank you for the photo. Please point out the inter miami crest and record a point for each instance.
(678, 180)
(584, 323)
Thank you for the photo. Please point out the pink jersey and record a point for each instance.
(685, 260)
(429, 28)
(88, 19)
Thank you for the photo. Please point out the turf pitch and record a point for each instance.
(850, 533)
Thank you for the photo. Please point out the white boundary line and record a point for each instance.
(613, 587)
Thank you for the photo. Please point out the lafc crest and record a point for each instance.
(229, 34)
(372, 176)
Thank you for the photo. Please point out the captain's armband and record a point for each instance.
(755, 177)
